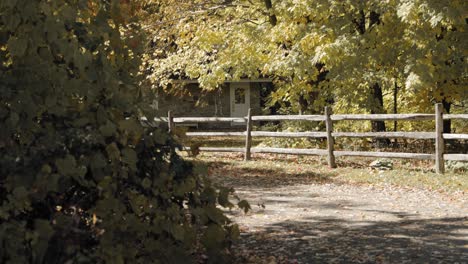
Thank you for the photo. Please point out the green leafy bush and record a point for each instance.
(80, 179)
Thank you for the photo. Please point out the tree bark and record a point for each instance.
(376, 102)
(395, 105)
(447, 123)
(303, 105)
(272, 16)
(377, 107)
(314, 95)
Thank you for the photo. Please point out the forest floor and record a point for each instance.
(303, 212)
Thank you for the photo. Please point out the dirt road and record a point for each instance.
(301, 221)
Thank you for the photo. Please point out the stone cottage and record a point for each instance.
(232, 99)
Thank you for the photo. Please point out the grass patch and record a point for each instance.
(449, 182)
(224, 142)
(271, 170)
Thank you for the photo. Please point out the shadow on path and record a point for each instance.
(308, 217)
(332, 240)
(238, 177)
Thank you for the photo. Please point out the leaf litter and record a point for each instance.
(303, 212)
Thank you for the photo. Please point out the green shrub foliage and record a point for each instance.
(81, 179)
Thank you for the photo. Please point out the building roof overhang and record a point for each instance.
(259, 80)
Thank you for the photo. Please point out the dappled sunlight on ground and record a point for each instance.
(306, 213)
(343, 223)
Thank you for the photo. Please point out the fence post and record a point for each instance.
(248, 136)
(170, 121)
(439, 141)
(330, 139)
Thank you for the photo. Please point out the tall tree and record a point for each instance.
(364, 47)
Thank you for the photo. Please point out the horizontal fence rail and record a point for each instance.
(289, 118)
(322, 152)
(459, 116)
(215, 134)
(409, 135)
(289, 134)
(384, 117)
(455, 136)
(456, 157)
(330, 135)
(399, 155)
(208, 119)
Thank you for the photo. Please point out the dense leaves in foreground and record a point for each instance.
(80, 179)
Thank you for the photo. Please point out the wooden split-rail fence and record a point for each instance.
(329, 119)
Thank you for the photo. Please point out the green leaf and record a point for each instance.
(45, 232)
(17, 46)
(146, 183)
(4, 215)
(131, 126)
(209, 195)
(66, 166)
(244, 205)
(14, 119)
(160, 137)
(216, 215)
(20, 193)
(82, 60)
(81, 122)
(213, 237)
(129, 157)
(108, 130)
(68, 13)
(113, 152)
(223, 197)
(53, 182)
(234, 232)
(101, 116)
(8, 3)
(12, 22)
(178, 232)
(185, 187)
(20, 200)
(98, 161)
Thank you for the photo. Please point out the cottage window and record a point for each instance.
(239, 95)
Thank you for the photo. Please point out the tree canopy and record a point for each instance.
(355, 54)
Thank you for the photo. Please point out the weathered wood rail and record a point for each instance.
(330, 136)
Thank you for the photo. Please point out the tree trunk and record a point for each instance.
(447, 123)
(312, 96)
(272, 16)
(377, 107)
(376, 102)
(395, 105)
(303, 105)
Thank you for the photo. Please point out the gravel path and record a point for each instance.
(344, 223)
